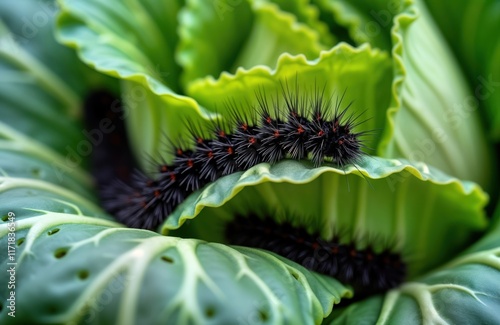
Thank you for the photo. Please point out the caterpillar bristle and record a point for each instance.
(368, 271)
(169, 184)
(139, 204)
(271, 149)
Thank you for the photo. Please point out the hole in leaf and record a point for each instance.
(20, 241)
(53, 231)
(83, 274)
(1, 307)
(5, 218)
(61, 252)
(263, 315)
(210, 312)
(35, 172)
(167, 259)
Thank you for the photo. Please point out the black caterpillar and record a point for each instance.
(111, 156)
(367, 271)
(299, 127)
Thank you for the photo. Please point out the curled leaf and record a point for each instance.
(411, 208)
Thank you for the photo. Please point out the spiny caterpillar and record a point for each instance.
(111, 157)
(295, 127)
(369, 272)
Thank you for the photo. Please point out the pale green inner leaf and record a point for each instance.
(432, 117)
(471, 28)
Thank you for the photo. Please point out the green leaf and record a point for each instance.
(222, 36)
(340, 69)
(410, 208)
(309, 14)
(139, 277)
(22, 157)
(273, 33)
(430, 97)
(28, 197)
(31, 95)
(471, 29)
(464, 291)
(212, 34)
(41, 82)
(140, 37)
(363, 22)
